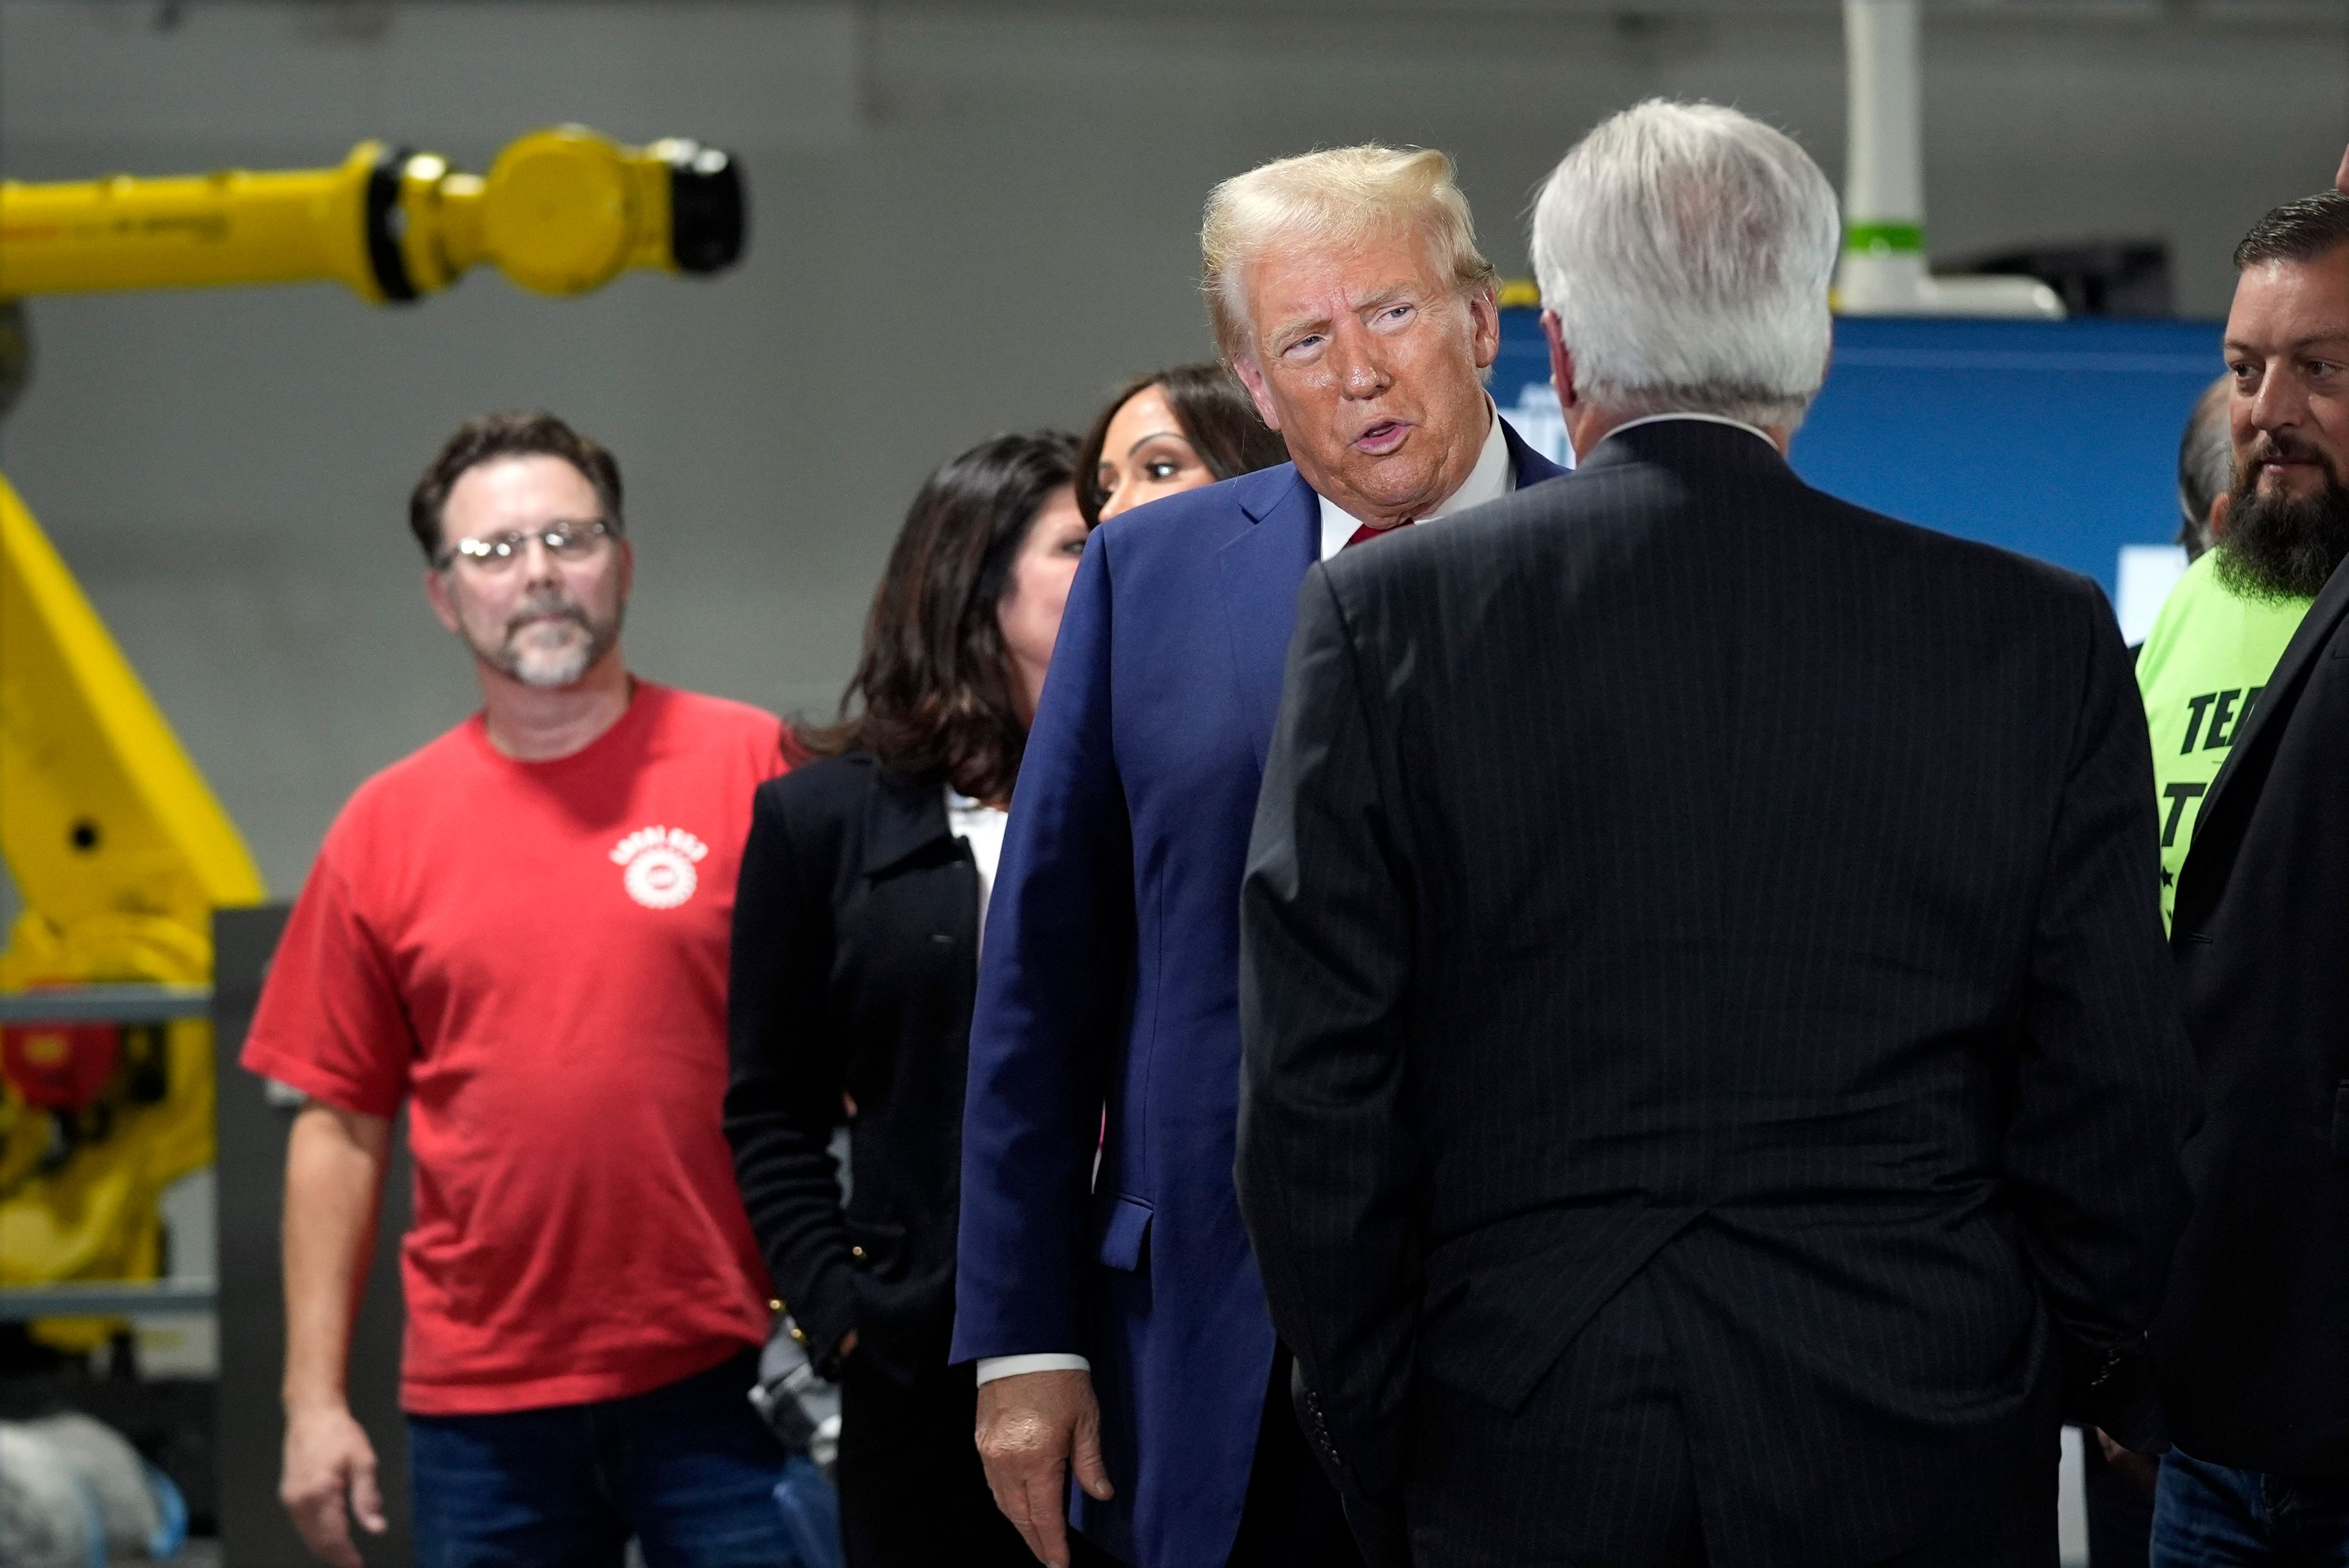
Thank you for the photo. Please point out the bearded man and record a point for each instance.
(2280, 529)
(521, 933)
(2246, 681)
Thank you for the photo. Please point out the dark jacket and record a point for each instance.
(1675, 873)
(2254, 1342)
(855, 955)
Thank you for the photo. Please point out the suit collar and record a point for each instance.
(904, 815)
(1261, 568)
(2317, 629)
(1757, 431)
(1268, 490)
(1676, 440)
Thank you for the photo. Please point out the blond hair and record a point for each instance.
(1335, 197)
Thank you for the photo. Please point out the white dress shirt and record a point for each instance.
(1493, 477)
(982, 826)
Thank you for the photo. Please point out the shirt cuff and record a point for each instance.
(991, 1367)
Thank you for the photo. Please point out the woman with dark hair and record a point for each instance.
(1172, 429)
(857, 927)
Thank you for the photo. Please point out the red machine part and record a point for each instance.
(59, 1067)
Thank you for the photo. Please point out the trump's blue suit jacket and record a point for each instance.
(1111, 977)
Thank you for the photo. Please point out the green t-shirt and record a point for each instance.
(2202, 670)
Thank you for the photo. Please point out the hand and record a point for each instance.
(330, 1463)
(1032, 1429)
(2341, 176)
(2142, 1469)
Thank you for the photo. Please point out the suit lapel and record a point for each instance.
(1260, 571)
(1530, 466)
(2308, 646)
(902, 817)
(912, 862)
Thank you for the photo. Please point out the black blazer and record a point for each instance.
(1674, 871)
(854, 958)
(2253, 1341)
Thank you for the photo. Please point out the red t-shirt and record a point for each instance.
(532, 955)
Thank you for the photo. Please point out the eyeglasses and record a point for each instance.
(497, 554)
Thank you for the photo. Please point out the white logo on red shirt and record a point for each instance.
(657, 865)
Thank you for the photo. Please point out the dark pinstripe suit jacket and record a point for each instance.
(1674, 858)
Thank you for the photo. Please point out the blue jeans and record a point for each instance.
(688, 1468)
(2208, 1516)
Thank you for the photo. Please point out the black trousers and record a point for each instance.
(912, 1492)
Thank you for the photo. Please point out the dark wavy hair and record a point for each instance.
(1215, 414)
(2307, 230)
(932, 691)
(492, 436)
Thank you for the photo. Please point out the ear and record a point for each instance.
(1484, 324)
(1561, 362)
(1251, 376)
(436, 589)
(2218, 510)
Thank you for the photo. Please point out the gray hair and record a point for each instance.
(2206, 464)
(1687, 249)
(1331, 197)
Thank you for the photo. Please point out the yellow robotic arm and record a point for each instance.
(561, 211)
(120, 854)
(116, 844)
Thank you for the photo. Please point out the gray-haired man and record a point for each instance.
(1710, 1068)
(2206, 469)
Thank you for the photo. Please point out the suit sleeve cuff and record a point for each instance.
(824, 1317)
(991, 1367)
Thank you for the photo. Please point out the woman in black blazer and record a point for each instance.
(856, 926)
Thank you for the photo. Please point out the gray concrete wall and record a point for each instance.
(967, 218)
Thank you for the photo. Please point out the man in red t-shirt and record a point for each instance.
(520, 932)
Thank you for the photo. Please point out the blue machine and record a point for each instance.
(2058, 439)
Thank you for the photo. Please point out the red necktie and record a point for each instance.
(1367, 531)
